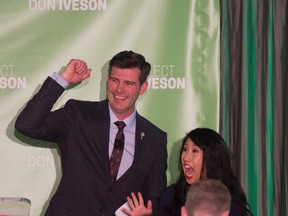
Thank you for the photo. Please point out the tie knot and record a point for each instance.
(120, 124)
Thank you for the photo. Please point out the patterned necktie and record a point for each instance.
(117, 152)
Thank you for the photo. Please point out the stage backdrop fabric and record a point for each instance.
(254, 90)
(38, 37)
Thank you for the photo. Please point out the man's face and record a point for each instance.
(123, 89)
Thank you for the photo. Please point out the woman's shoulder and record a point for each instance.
(167, 195)
(170, 189)
(167, 202)
(236, 210)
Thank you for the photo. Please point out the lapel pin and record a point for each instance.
(142, 135)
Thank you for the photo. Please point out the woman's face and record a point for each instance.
(192, 161)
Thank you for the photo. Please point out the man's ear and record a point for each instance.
(143, 87)
(225, 213)
(183, 211)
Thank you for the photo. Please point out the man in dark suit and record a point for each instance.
(85, 132)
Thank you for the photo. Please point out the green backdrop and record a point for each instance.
(37, 37)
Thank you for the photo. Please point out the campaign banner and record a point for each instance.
(38, 37)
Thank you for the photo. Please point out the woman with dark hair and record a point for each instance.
(204, 155)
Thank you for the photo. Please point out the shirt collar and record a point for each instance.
(128, 121)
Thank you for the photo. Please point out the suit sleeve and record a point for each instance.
(157, 181)
(37, 120)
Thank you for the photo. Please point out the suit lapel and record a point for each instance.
(141, 131)
(103, 125)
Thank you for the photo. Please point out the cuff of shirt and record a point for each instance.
(55, 76)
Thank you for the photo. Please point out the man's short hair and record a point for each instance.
(209, 196)
(129, 59)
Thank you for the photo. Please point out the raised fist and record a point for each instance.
(76, 71)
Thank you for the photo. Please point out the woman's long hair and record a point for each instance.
(217, 165)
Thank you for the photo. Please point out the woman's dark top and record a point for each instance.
(167, 203)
